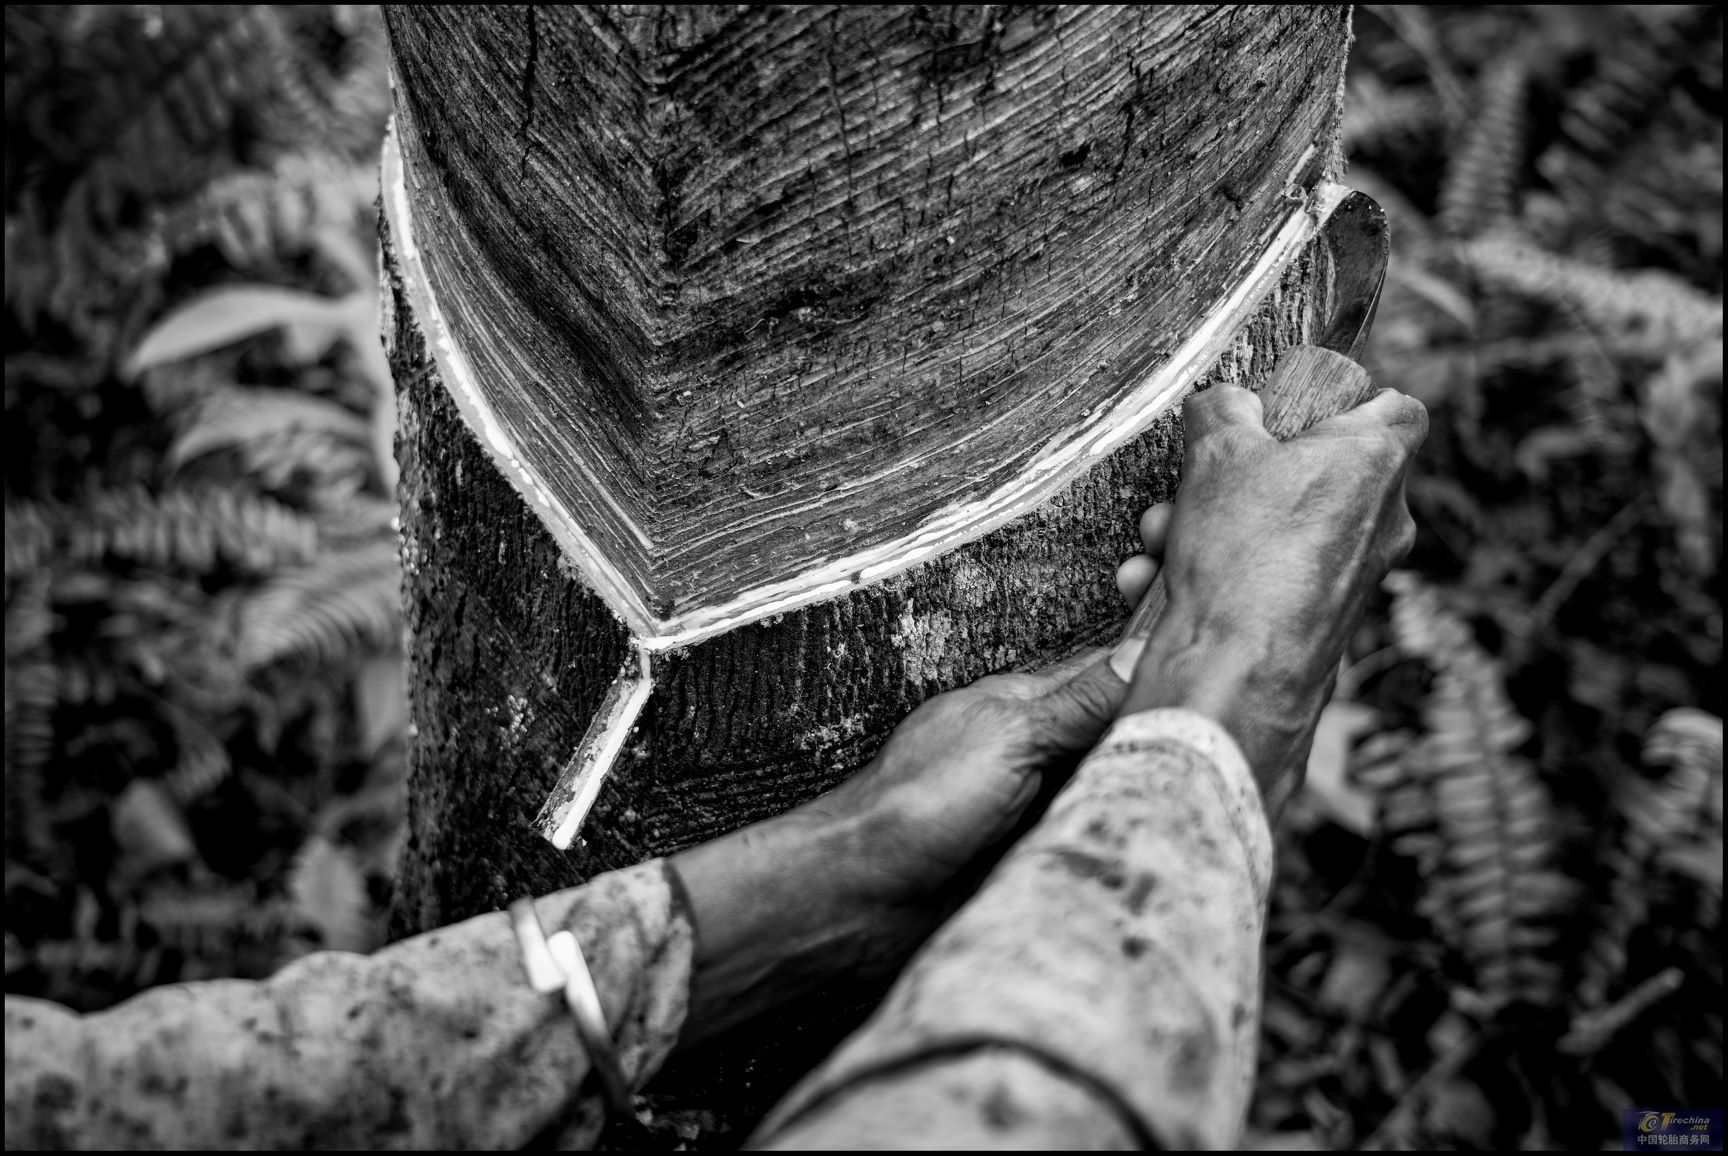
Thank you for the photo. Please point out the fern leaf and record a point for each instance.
(1597, 398)
(1377, 115)
(201, 762)
(30, 537)
(150, 831)
(31, 696)
(203, 925)
(1689, 744)
(1482, 179)
(242, 417)
(346, 601)
(32, 689)
(1473, 815)
(230, 313)
(1603, 114)
(328, 892)
(255, 216)
(1680, 811)
(1658, 308)
(1681, 413)
(189, 529)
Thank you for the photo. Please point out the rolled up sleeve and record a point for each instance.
(435, 1042)
(1113, 957)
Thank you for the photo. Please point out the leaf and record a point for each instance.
(381, 700)
(149, 829)
(1328, 761)
(1472, 814)
(344, 601)
(328, 891)
(228, 314)
(241, 416)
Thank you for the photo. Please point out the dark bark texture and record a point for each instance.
(510, 654)
(754, 289)
(691, 268)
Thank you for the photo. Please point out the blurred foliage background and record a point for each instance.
(1497, 919)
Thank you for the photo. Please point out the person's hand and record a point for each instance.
(853, 881)
(1271, 550)
(958, 775)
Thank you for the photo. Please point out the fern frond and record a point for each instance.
(30, 616)
(1688, 743)
(1682, 416)
(345, 601)
(209, 65)
(1658, 308)
(254, 216)
(1377, 115)
(279, 433)
(133, 107)
(327, 890)
(85, 681)
(1681, 810)
(32, 687)
(1597, 398)
(205, 924)
(190, 529)
(171, 390)
(1415, 26)
(201, 762)
(1473, 815)
(32, 694)
(30, 538)
(1482, 179)
(1603, 114)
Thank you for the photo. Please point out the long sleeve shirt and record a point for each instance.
(1101, 990)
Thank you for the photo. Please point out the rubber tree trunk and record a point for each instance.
(765, 371)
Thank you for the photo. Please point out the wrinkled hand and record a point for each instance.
(851, 882)
(957, 776)
(1271, 552)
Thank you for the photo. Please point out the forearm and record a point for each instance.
(1113, 957)
(784, 907)
(437, 1041)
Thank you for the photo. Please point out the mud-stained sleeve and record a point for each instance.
(1107, 971)
(435, 1042)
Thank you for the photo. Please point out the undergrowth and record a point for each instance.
(1499, 902)
(203, 697)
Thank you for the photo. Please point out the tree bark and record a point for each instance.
(802, 363)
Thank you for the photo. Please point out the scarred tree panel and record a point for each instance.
(755, 291)
(510, 654)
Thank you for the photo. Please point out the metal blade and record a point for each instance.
(1360, 242)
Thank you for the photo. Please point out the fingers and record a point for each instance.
(1221, 407)
(1154, 527)
(1134, 577)
(1078, 711)
(1387, 413)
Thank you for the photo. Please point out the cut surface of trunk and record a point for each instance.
(757, 303)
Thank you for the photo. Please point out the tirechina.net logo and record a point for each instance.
(1687, 1130)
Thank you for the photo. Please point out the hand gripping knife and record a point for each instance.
(1311, 382)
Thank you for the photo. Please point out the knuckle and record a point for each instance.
(1404, 537)
(1385, 454)
(1416, 415)
(997, 686)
